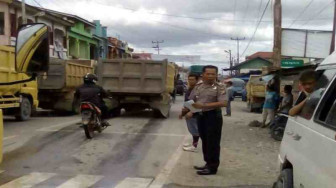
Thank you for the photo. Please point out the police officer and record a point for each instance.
(210, 97)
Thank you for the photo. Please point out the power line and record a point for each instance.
(255, 31)
(238, 39)
(38, 4)
(301, 13)
(318, 13)
(157, 46)
(207, 19)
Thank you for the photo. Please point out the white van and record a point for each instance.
(308, 149)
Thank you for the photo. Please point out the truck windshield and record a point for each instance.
(25, 34)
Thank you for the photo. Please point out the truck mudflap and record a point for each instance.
(162, 105)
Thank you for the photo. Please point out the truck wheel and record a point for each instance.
(25, 110)
(285, 179)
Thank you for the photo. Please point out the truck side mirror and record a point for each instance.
(32, 49)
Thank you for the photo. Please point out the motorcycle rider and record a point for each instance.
(90, 92)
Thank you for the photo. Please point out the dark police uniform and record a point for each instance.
(210, 121)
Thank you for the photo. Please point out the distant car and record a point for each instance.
(238, 88)
(180, 87)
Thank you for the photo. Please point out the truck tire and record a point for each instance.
(285, 179)
(25, 110)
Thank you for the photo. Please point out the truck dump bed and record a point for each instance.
(129, 76)
(256, 87)
(7, 71)
(64, 74)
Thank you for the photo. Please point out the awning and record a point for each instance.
(267, 78)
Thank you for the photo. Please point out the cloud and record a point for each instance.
(197, 27)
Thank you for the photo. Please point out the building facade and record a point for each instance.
(5, 24)
(100, 35)
(57, 26)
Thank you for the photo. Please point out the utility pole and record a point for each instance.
(277, 34)
(24, 16)
(229, 52)
(238, 39)
(332, 45)
(157, 46)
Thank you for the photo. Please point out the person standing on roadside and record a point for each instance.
(210, 97)
(287, 101)
(229, 93)
(270, 105)
(191, 121)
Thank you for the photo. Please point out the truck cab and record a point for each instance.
(18, 87)
(31, 56)
(308, 149)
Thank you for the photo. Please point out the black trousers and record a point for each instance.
(104, 110)
(210, 130)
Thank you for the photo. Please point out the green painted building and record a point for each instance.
(81, 44)
(100, 35)
(251, 65)
(79, 38)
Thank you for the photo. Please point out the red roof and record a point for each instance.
(144, 56)
(264, 55)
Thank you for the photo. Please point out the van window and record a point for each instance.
(326, 114)
(324, 79)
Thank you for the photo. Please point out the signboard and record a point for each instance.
(291, 63)
(305, 43)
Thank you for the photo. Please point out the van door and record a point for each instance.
(309, 145)
(32, 49)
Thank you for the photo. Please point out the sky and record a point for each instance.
(197, 27)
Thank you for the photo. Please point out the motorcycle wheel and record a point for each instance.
(277, 133)
(88, 129)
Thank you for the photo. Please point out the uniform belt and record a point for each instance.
(208, 112)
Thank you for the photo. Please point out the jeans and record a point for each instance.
(192, 126)
(228, 107)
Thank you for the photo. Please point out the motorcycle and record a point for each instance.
(91, 119)
(277, 128)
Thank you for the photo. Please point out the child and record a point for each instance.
(191, 121)
(287, 101)
(308, 80)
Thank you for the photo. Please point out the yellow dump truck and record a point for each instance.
(58, 85)
(1, 135)
(18, 89)
(138, 84)
(19, 66)
(256, 91)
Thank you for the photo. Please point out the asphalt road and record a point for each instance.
(52, 151)
(137, 151)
